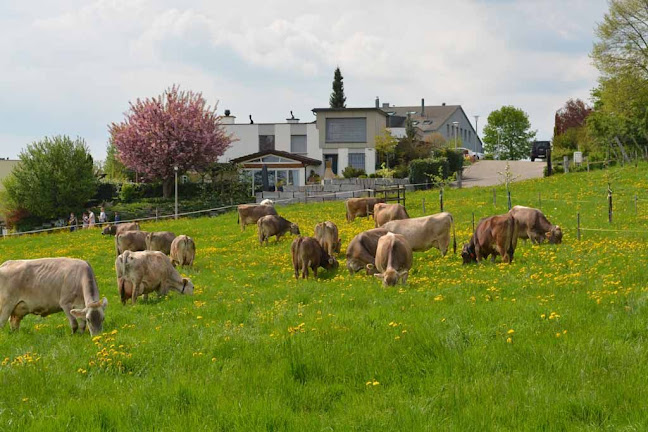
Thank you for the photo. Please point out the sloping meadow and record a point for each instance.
(556, 340)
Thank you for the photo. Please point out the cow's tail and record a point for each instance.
(454, 236)
(346, 206)
(511, 238)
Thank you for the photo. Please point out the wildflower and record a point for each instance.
(511, 331)
(509, 340)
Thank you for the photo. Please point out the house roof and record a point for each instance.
(303, 159)
(378, 110)
(431, 120)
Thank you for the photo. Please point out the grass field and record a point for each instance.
(555, 341)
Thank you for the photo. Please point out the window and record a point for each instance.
(357, 160)
(298, 144)
(346, 130)
(266, 142)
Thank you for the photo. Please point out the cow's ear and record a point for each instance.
(104, 303)
(79, 313)
(331, 261)
(548, 234)
(378, 275)
(402, 274)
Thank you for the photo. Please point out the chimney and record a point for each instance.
(422, 107)
(292, 118)
(228, 118)
(385, 105)
(377, 102)
(443, 104)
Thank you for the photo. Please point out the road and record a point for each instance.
(485, 172)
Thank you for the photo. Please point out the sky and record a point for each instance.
(70, 67)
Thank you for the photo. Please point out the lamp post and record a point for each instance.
(499, 132)
(476, 131)
(175, 170)
(456, 127)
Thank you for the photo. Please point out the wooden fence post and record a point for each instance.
(587, 161)
(508, 194)
(578, 230)
(609, 204)
(156, 214)
(539, 200)
(423, 202)
(494, 198)
(441, 199)
(566, 164)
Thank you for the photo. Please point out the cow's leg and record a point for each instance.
(503, 252)
(74, 325)
(304, 272)
(134, 293)
(278, 237)
(296, 269)
(17, 315)
(314, 267)
(443, 245)
(82, 326)
(15, 322)
(5, 313)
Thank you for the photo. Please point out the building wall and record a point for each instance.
(466, 131)
(375, 124)
(5, 169)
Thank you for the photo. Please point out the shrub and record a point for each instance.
(419, 169)
(350, 172)
(401, 171)
(455, 159)
(105, 192)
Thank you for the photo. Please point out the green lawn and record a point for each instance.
(555, 341)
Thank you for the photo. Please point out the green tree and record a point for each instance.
(386, 145)
(508, 133)
(338, 100)
(55, 176)
(623, 39)
(112, 166)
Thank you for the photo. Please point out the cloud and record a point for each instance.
(72, 66)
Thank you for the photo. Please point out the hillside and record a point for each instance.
(556, 340)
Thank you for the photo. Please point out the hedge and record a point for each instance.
(421, 169)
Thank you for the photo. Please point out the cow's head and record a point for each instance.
(555, 235)
(391, 277)
(331, 263)
(353, 265)
(187, 287)
(93, 315)
(108, 229)
(294, 229)
(468, 254)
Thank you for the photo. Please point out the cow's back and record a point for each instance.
(422, 232)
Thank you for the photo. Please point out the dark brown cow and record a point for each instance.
(358, 207)
(273, 225)
(251, 213)
(307, 252)
(327, 235)
(533, 224)
(393, 259)
(362, 250)
(495, 235)
(384, 213)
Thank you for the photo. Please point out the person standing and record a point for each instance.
(72, 222)
(102, 216)
(117, 218)
(91, 219)
(85, 220)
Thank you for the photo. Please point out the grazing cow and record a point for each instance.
(183, 251)
(273, 225)
(160, 241)
(327, 235)
(133, 241)
(393, 259)
(384, 213)
(49, 285)
(250, 213)
(495, 235)
(362, 250)
(120, 228)
(149, 271)
(307, 252)
(425, 232)
(358, 207)
(533, 224)
(267, 202)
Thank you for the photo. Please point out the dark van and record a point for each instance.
(539, 149)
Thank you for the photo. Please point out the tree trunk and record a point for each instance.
(167, 187)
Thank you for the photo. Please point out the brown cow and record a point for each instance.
(393, 259)
(358, 207)
(425, 232)
(160, 241)
(327, 235)
(384, 213)
(273, 225)
(120, 228)
(130, 240)
(50, 285)
(533, 224)
(495, 235)
(183, 251)
(362, 250)
(307, 252)
(250, 213)
(149, 271)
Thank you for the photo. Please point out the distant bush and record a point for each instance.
(350, 172)
(455, 159)
(420, 169)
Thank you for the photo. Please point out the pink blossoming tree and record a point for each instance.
(177, 128)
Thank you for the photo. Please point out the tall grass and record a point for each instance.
(555, 341)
